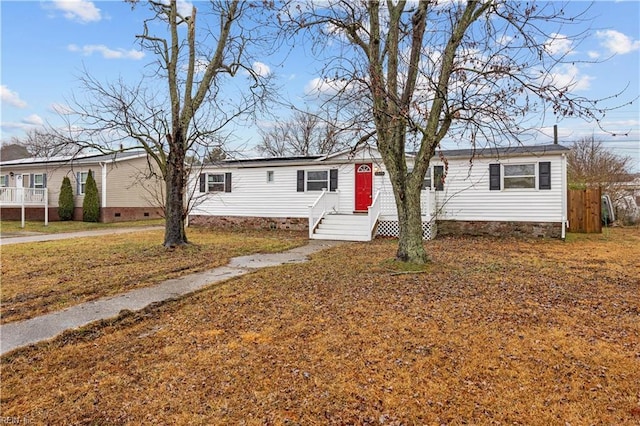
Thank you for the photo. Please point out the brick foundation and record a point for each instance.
(500, 229)
(123, 214)
(234, 222)
(107, 215)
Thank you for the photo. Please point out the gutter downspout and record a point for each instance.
(103, 202)
(565, 222)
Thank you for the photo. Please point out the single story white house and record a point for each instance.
(495, 191)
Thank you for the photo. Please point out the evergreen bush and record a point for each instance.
(65, 200)
(91, 203)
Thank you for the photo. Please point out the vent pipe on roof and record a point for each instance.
(555, 134)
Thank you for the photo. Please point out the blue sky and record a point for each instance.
(46, 45)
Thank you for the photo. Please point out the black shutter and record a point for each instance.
(438, 178)
(44, 180)
(544, 175)
(494, 177)
(78, 183)
(333, 179)
(227, 182)
(31, 181)
(300, 181)
(203, 182)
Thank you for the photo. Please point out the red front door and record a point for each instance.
(364, 183)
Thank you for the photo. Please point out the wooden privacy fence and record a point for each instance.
(585, 211)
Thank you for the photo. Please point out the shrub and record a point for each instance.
(65, 200)
(91, 203)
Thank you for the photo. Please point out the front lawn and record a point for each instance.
(43, 277)
(14, 228)
(495, 331)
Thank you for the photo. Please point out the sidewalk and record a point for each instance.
(6, 240)
(22, 333)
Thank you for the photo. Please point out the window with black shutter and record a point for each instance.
(438, 178)
(333, 179)
(494, 177)
(544, 175)
(227, 182)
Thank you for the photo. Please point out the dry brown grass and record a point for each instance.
(43, 277)
(494, 332)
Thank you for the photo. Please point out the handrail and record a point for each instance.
(373, 212)
(17, 196)
(327, 201)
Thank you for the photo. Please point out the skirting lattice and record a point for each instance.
(390, 228)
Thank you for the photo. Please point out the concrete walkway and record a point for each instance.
(22, 333)
(6, 240)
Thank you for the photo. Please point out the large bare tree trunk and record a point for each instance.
(174, 231)
(410, 244)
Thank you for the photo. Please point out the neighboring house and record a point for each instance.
(499, 191)
(126, 190)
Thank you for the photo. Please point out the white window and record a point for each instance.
(4, 180)
(317, 180)
(270, 176)
(215, 182)
(38, 181)
(82, 181)
(518, 176)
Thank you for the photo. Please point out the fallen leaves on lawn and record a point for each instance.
(498, 331)
(43, 277)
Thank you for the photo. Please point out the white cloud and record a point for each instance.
(261, 69)
(184, 7)
(61, 109)
(593, 54)
(616, 42)
(569, 76)
(34, 120)
(78, 10)
(558, 44)
(106, 52)
(318, 86)
(10, 97)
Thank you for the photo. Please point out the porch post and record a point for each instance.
(46, 207)
(22, 206)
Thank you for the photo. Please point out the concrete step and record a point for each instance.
(343, 227)
(341, 236)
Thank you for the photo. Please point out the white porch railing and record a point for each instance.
(374, 212)
(21, 197)
(327, 201)
(18, 196)
(388, 203)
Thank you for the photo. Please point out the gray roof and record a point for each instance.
(494, 152)
(75, 159)
(508, 151)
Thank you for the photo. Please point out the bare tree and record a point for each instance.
(44, 143)
(306, 133)
(175, 112)
(590, 164)
(473, 71)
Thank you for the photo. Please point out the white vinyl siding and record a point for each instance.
(253, 195)
(467, 196)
